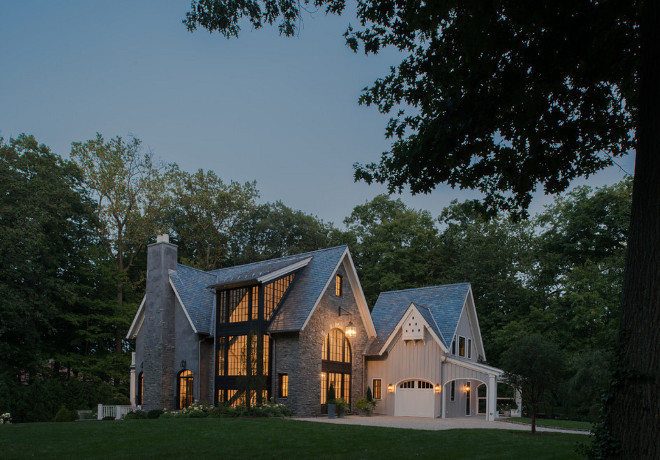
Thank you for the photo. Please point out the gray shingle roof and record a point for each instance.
(440, 305)
(193, 287)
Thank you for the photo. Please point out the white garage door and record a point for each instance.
(414, 398)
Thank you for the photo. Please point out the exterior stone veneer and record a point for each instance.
(299, 354)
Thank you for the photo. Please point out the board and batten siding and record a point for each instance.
(407, 360)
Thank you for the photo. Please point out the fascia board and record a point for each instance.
(284, 271)
(136, 324)
(411, 307)
(476, 366)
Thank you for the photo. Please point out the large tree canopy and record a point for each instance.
(503, 96)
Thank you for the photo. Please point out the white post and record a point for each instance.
(444, 401)
(491, 406)
(99, 415)
(117, 412)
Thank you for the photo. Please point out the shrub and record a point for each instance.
(135, 415)
(369, 395)
(66, 415)
(108, 417)
(154, 413)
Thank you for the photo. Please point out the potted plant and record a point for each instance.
(364, 406)
(331, 401)
(342, 407)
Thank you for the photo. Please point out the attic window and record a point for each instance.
(339, 285)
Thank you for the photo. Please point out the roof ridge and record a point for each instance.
(283, 258)
(191, 268)
(425, 287)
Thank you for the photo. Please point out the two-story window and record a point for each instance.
(243, 347)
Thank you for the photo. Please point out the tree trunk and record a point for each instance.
(634, 409)
(120, 298)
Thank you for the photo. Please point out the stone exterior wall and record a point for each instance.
(299, 355)
(157, 341)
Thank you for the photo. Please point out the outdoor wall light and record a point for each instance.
(350, 330)
(390, 388)
(183, 364)
(438, 388)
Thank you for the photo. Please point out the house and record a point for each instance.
(287, 328)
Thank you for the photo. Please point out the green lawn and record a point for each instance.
(568, 424)
(266, 438)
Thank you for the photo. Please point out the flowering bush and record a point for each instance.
(5, 419)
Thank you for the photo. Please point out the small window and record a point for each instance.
(338, 285)
(453, 346)
(185, 389)
(377, 388)
(469, 348)
(283, 385)
(461, 346)
(452, 393)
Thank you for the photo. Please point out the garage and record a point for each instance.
(414, 398)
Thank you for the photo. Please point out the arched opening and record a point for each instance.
(140, 386)
(336, 366)
(184, 389)
(465, 398)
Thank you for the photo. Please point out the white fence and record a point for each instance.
(115, 412)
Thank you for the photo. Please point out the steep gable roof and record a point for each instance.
(191, 286)
(441, 307)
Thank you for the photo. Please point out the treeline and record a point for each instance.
(73, 236)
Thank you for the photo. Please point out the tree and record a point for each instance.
(395, 247)
(205, 213)
(47, 243)
(533, 365)
(128, 189)
(509, 95)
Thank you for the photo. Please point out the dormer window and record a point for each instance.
(339, 285)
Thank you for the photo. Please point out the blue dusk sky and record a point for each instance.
(281, 111)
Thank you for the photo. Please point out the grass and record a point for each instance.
(551, 423)
(268, 438)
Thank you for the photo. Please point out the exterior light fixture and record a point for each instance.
(350, 330)
(183, 364)
(390, 388)
(438, 388)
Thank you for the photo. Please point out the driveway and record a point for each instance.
(433, 424)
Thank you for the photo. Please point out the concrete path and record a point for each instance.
(421, 423)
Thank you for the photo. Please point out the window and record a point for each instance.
(407, 384)
(185, 389)
(221, 355)
(238, 305)
(140, 386)
(461, 346)
(452, 393)
(338, 285)
(336, 347)
(469, 348)
(377, 388)
(336, 367)
(283, 385)
(273, 293)
(237, 356)
(453, 346)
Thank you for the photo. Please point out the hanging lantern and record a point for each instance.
(351, 331)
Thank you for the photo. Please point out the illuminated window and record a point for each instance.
(469, 348)
(336, 347)
(377, 388)
(185, 389)
(237, 355)
(221, 355)
(238, 305)
(338, 285)
(461, 346)
(266, 354)
(140, 386)
(283, 385)
(273, 293)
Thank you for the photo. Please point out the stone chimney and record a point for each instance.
(159, 338)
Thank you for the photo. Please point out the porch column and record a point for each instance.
(491, 406)
(132, 384)
(444, 400)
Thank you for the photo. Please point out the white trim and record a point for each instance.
(400, 323)
(284, 271)
(176, 293)
(135, 327)
(478, 367)
(473, 321)
(357, 294)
